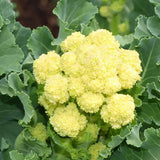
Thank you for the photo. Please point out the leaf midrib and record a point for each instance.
(148, 61)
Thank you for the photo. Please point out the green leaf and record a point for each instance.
(73, 13)
(116, 139)
(135, 92)
(5, 89)
(10, 110)
(25, 143)
(17, 85)
(7, 12)
(63, 33)
(30, 114)
(40, 41)
(141, 30)
(15, 155)
(150, 148)
(4, 144)
(153, 25)
(147, 9)
(10, 113)
(134, 139)
(153, 91)
(148, 113)
(149, 55)
(157, 10)
(9, 130)
(155, 1)
(10, 54)
(21, 35)
(1, 21)
(64, 146)
(92, 26)
(124, 40)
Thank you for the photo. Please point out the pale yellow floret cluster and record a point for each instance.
(91, 68)
(39, 132)
(72, 42)
(95, 149)
(119, 110)
(67, 121)
(45, 66)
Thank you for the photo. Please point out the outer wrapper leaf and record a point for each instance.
(73, 13)
(10, 54)
(40, 41)
(150, 148)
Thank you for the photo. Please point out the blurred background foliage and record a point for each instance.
(116, 15)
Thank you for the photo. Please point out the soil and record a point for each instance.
(34, 13)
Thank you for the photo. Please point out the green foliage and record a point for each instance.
(18, 90)
(40, 41)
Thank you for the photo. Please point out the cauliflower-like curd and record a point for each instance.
(39, 132)
(44, 67)
(72, 42)
(102, 37)
(90, 69)
(75, 87)
(56, 89)
(111, 85)
(128, 76)
(119, 110)
(49, 107)
(90, 102)
(70, 66)
(95, 149)
(67, 121)
(131, 57)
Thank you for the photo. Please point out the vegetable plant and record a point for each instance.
(85, 95)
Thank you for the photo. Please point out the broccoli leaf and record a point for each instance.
(15, 155)
(7, 13)
(25, 143)
(150, 148)
(133, 138)
(149, 55)
(21, 35)
(10, 54)
(157, 10)
(141, 29)
(153, 25)
(17, 85)
(73, 13)
(148, 113)
(40, 41)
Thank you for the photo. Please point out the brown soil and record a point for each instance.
(34, 13)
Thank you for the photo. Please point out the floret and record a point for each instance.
(56, 89)
(90, 102)
(89, 134)
(131, 57)
(102, 37)
(128, 76)
(111, 85)
(119, 110)
(70, 66)
(75, 87)
(95, 149)
(44, 67)
(67, 121)
(72, 42)
(39, 132)
(49, 107)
